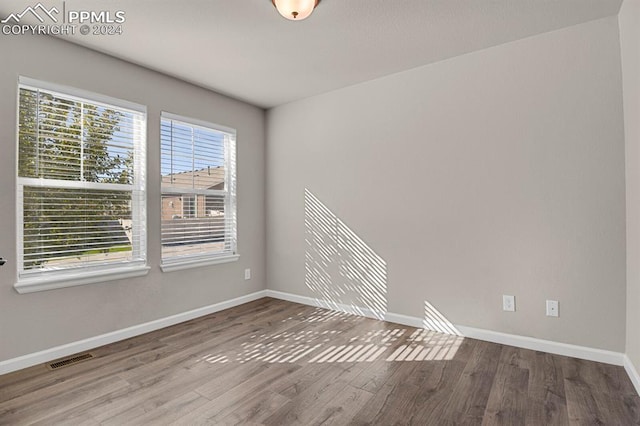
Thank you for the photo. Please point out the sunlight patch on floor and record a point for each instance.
(388, 344)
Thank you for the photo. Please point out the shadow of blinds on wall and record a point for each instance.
(340, 268)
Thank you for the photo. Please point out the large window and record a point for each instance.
(198, 170)
(81, 187)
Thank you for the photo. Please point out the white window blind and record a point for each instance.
(198, 170)
(81, 184)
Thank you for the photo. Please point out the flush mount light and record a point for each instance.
(295, 10)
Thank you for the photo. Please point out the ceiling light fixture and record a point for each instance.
(295, 10)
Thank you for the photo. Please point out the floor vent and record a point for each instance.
(54, 365)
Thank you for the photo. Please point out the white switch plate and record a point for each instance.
(508, 303)
(247, 274)
(552, 308)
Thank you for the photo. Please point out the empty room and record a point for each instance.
(305, 212)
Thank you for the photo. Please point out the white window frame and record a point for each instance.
(41, 280)
(177, 263)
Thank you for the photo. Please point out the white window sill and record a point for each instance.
(43, 282)
(196, 263)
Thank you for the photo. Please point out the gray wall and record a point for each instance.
(497, 172)
(630, 46)
(33, 322)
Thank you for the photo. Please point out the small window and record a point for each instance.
(189, 206)
(198, 170)
(81, 189)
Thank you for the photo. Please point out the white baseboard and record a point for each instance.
(549, 346)
(115, 336)
(405, 320)
(582, 352)
(632, 372)
(320, 303)
(575, 351)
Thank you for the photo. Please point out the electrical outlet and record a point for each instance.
(247, 274)
(552, 308)
(508, 303)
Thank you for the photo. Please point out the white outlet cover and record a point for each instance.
(247, 274)
(508, 303)
(552, 308)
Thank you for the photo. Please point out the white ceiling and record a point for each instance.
(244, 49)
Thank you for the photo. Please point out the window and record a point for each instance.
(81, 188)
(198, 171)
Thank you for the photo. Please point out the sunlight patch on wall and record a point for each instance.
(340, 268)
(435, 321)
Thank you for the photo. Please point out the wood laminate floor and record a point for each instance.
(272, 362)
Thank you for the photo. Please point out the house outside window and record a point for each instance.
(198, 212)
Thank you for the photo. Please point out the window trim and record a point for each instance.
(198, 123)
(59, 89)
(76, 278)
(197, 262)
(177, 263)
(34, 281)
